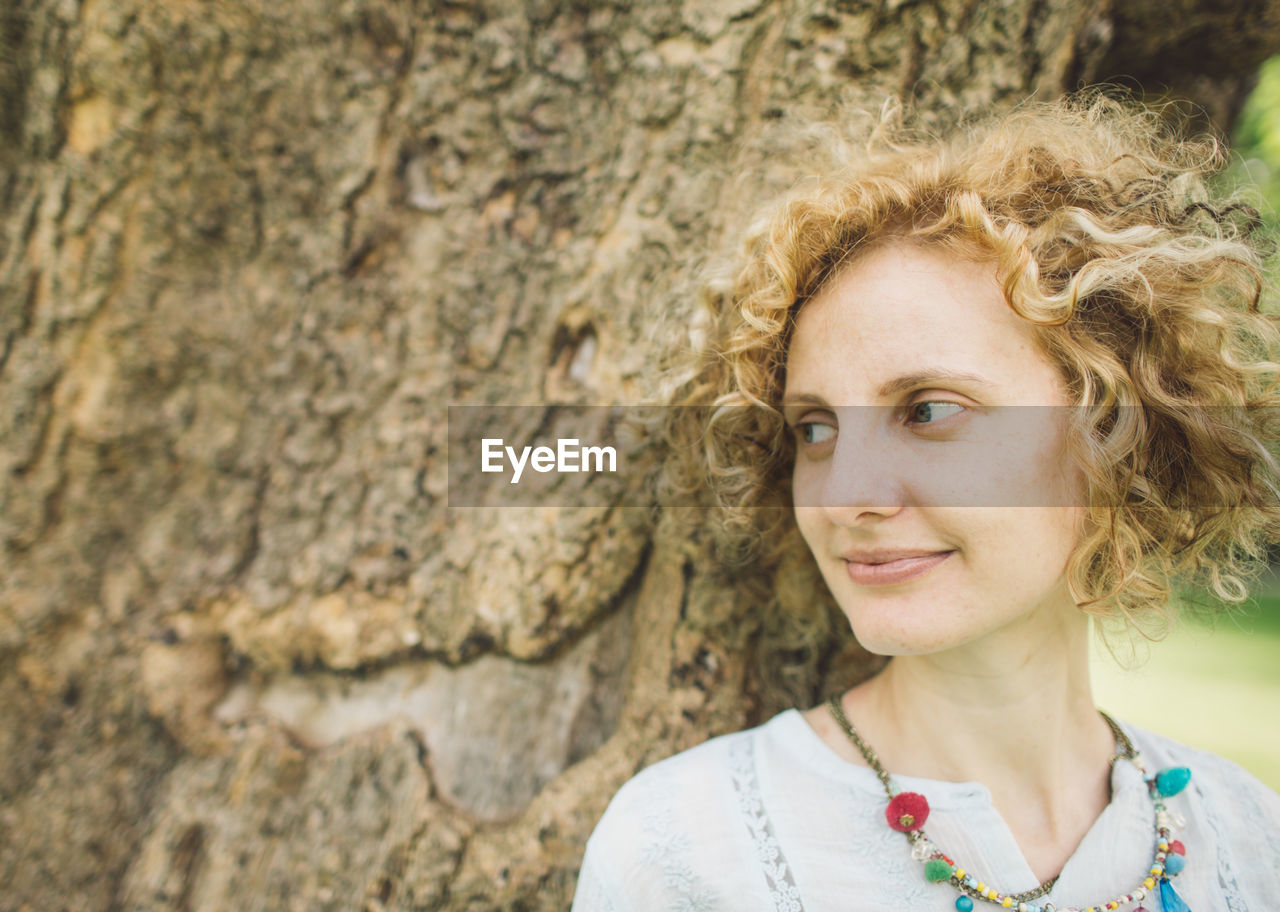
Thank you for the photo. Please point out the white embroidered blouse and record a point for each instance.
(773, 819)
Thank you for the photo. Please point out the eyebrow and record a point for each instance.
(802, 399)
(929, 376)
(926, 377)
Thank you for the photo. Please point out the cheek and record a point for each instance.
(806, 484)
(1047, 538)
(1074, 522)
(808, 512)
(1063, 527)
(811, 523)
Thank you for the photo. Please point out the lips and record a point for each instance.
(881, 568)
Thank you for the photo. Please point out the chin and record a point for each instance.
(914, 626)
(884, 644)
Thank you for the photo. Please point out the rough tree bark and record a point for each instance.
(249, 251)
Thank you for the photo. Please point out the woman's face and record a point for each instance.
(937, 516)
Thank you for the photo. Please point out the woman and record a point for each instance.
(889, 326)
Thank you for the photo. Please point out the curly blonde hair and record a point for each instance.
(1140, 285)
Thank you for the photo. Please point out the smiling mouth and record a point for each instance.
(894, 571)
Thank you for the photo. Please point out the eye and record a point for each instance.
(932, 411)
(814, 433)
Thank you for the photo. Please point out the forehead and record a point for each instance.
(903, 306)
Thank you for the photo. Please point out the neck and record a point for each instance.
(1015, 714)
(988, 713)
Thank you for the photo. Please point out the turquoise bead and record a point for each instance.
(1172, 780)
(1173, 864)
(964, 904)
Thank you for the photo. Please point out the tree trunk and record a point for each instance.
(250, 251)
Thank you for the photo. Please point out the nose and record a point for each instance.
(863, 478)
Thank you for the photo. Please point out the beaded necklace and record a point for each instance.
(907, 812)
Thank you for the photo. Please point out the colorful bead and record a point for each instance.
(907, 811)
(1172, 780)
(935, 869)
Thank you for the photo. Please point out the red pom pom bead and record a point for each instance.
(907, 811)
(1177, 848)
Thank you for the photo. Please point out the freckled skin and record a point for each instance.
(899, 309)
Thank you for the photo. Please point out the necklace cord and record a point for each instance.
(912, 810)
(1126, 752)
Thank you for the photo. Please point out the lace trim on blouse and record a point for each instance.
(1226, 877)
(782, 886)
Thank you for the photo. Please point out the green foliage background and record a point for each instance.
(1211, 685)
(1257, 136)
(1254, 173)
